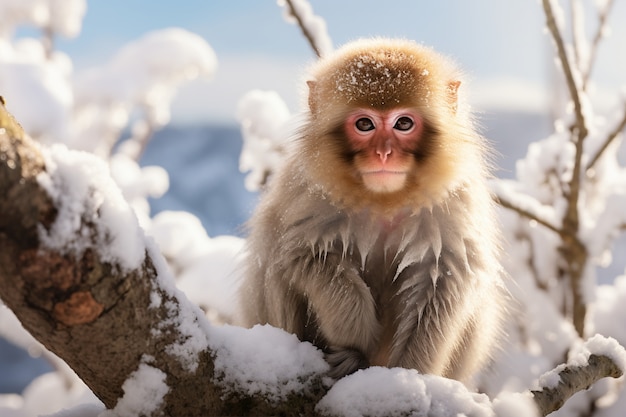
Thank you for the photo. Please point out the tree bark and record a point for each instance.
(574, 379)
(94, 316)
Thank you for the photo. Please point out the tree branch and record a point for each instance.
(579, 129)
(610, 138)
(574, 379)
(602, 23)
(308, 35)
(567, 69)
(104, 320)
(573, 252)
(504, 202)
(576, 23)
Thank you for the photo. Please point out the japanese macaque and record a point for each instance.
(376, 240)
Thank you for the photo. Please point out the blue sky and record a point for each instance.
(459, 27)
(500, 44)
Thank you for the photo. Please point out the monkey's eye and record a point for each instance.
(404, 123)
(364, 124)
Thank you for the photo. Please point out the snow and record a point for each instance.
(48, 392)
(137, 183)
(602, 346)
(551, 379)
(66, 16)
(515, 405)
(62, 16)
(610, 309)
(263, 360)
(379, 391)
(597, 345)
(142, 77)
(183, 315)
(83, 410)
(36, 89)
(213, 281)
(81, 188)
(180, 236)
(264, 118)
(507, 190)
(150, 69)
(144, 392)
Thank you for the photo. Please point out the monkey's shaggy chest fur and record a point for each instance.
(419, 290)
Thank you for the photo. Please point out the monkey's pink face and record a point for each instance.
(383, 144)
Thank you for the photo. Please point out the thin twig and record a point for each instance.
(47, 41)
(579, 129)
(602, 21)
(567, 69)
(610, 138)
(529, 215)
(305, 31)
(575, 40)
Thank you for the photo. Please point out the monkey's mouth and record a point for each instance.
(384, 181)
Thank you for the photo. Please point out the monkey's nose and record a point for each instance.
(384, 150)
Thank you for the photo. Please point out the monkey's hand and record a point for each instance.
(345, 361)
(345, 311)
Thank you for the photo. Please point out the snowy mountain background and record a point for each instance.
(202, 162)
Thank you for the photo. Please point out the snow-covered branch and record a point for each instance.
(600, 357)
(525, 205)
(621, 125)
(573, 379)
(604, 9)
(264, 117)
(313, 27)
(85, 281)
(143, 76)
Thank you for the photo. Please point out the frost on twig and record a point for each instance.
(525, 205)
(621, 125)
(600, 357)
(603, 14)
(313, 27)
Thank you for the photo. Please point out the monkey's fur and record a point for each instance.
(408, 278)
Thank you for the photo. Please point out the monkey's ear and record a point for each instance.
(312, 95)
(453, 97)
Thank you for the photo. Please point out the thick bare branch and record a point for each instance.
(574, 379)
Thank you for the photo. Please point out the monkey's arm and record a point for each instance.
(341, 305)
(446, 326)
